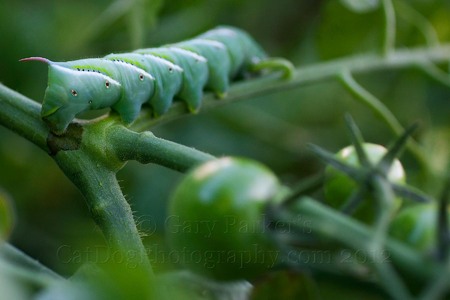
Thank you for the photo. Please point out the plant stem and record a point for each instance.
(88, 170)
(438, 286)
(433, 72)
(19, 264)
(147, 148)
(386, 274)
(417, 19)
(107, 205)
(328, 223)
(22, 115)
(388, 27)
(380, 110)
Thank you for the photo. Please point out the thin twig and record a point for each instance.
(389, 29)
(414, 17)
(381, 111)
(433, 72)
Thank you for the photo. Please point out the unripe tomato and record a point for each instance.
(216, 219)
(417, 226)
(339, 187)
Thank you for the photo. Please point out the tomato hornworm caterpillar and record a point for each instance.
(125, 81)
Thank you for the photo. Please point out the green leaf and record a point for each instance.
(6, 216)
(361, 6)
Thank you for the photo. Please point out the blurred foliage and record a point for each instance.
(6, 216)
(273, 129)
(286, 285)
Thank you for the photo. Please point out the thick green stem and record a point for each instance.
(147, 148)
(107, 205)
(80, 156)
(22, 115)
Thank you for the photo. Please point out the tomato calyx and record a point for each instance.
(367, 174)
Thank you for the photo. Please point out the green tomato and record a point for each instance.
(416, 226)
(339, 187)
(216, 220)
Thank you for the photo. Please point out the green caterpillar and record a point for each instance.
(126, 81)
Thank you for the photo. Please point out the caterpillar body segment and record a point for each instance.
(137, 84)
(219, 63)
(195, 72)
(168, 78)
(70, 92)
(243, 51)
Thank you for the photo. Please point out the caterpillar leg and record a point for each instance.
(169, 80)
(274, 64)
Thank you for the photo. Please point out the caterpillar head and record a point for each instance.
(70, 92)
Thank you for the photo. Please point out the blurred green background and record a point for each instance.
(52, 222)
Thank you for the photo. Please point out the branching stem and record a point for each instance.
(147, 148)
(417, 19)
(381, 111)
(93, 154)
(107, 205)
(328, 223)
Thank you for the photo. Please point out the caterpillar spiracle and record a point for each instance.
(126, 81)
